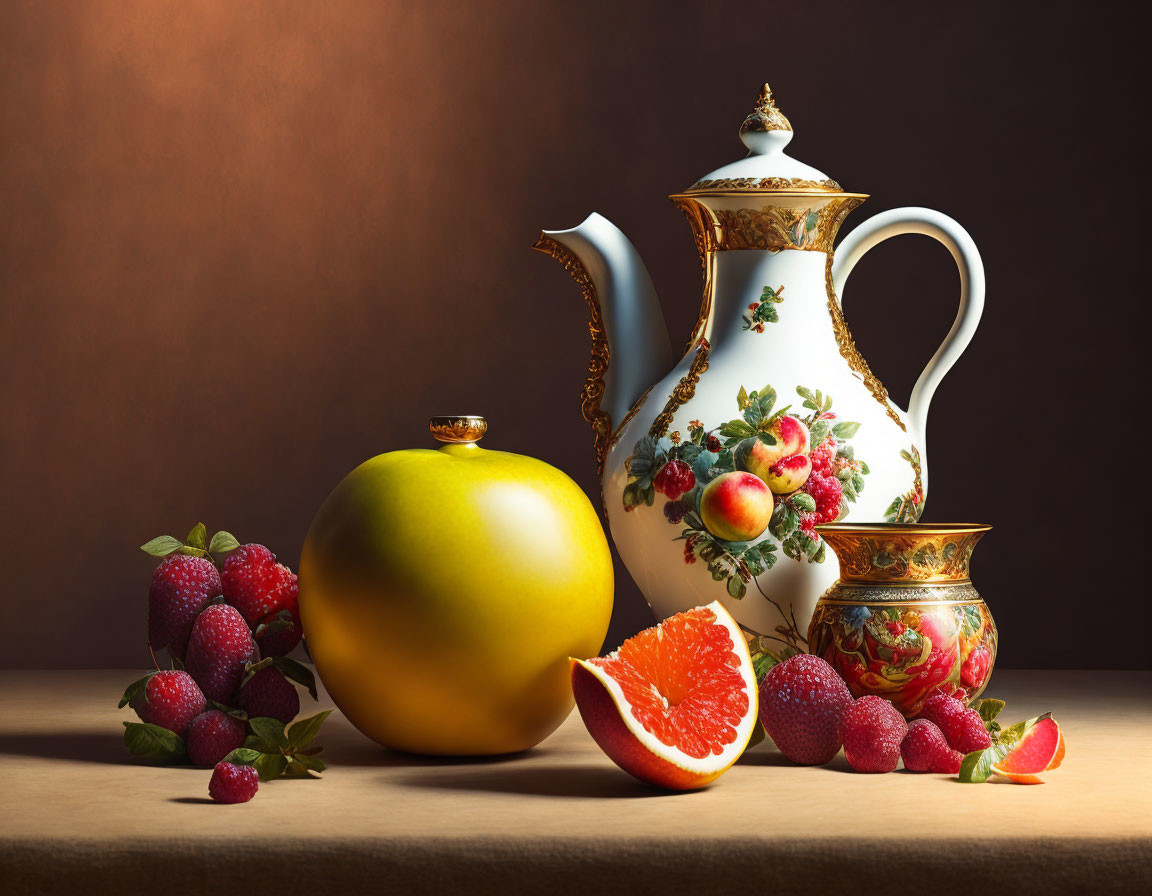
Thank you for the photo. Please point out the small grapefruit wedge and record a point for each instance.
(675, 705)
(1040, 749)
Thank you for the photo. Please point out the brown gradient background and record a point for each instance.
(244, 246)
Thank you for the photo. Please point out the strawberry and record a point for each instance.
(233, 783)
(219, 650)
(873, 730)
(212, 736)
(267, 594)
(170, 699)
(962, 727)
(269, 694)
(801, 701)
(925, 749)
(181, 586)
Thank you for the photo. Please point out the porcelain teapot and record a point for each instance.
(717, 468)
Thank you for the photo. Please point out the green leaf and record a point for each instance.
(300, 733)
(148, 741)
(807, 394)
(162, 546)
(223, 542)
(736, 587)
(783, 522)
(819, 431)
(270, 765)
(270, 731)
(845, 429)
(742, 398)
(315, 763)
(198, 537)
(989, 708)
(297, 769)
(302, 675)
(133, 689)
(767, 438)
(753, 416)
(803, 501)
(736, 429)
(977, 766)
(766, 398)
(243, 756)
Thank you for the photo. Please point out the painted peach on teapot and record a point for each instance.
(717, 468)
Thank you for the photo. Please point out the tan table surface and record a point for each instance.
(77, 814)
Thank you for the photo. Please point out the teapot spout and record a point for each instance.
(630, 346)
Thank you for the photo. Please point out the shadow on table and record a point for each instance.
(93, 747)
(347, 747)
(763, 757)
(595, 782)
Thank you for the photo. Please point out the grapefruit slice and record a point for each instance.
(675, 705)
(1040, 749)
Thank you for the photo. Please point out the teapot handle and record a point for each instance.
(955, 238)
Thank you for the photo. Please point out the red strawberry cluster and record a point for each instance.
(217, 625)
(808, 711)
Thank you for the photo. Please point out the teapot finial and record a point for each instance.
(765, 116)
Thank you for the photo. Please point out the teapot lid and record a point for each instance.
(766, 168)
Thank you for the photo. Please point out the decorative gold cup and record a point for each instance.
(904, 621)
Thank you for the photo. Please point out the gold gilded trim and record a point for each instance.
(765, 115)
(875, 553)
(683, 392)
(593, 392)
(811, 228)
(847, 345)
(458, 428)
(704, 232)
(766, 184)
(635, 409)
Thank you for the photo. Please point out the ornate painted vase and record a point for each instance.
(718, 468)
(904, 621)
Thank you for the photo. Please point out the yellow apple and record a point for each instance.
(443, 593)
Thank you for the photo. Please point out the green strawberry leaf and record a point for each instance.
(270, 765)
(133, 689)
(315, 763)
(162, 546)
(296, 671)
(845, 429)
(989, 708)
(977, 766)
(198, 537)
(148, 741)
(223, 542)
(301, 732)
(243, 756)
(270, 731)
